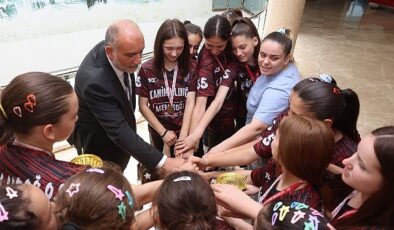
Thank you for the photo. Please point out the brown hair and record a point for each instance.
(19, 217)
(268, 217)
(378, 209)
(171, 29)
(51, 94)
(94, 206)
(306, 147)
(187, 203)
(244, 26)
(192, 28)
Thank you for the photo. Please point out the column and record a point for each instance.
(284, 13)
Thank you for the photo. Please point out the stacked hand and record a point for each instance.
(235, 201)
(169, 137)
(177, 164)
(186, 144)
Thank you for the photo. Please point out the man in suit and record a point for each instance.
(105, 88)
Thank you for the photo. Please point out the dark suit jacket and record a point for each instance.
(106, 125)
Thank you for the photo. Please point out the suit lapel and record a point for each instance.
(118, 88)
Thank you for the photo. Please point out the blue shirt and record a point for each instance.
(269, 96)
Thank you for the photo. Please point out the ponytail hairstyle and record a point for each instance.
(244, 26)
(32, 99)
(171, 29)
(186, 201)
(326, 100)
(282, 36)
(299, 216)
(305, 149)
(378, 209)
(192, 28)
(93, 200)
(232, 14)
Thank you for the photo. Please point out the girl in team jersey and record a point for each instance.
(302, 148)
(318, 98)
(194, 35)
(215, 103)
(164, 83)
(245, 43)
(269, 95)
(36, 110)
(370, 173)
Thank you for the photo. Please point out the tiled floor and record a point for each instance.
(355, 44)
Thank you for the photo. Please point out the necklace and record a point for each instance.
(170, 92)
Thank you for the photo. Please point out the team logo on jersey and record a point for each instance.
(137, 81)
(247, 84)
(152, 80)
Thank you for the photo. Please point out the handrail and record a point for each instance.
(258, 13)
(65, 73)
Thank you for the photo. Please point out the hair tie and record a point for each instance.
(3, 111)
(336, 90)
(182, 178)
(282, 30)
(326, 78)
(70, 226)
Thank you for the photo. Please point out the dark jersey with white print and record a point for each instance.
(244, 84)
(212, 73)
(153, 87)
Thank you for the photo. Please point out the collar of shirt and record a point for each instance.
(119, 73)
(18, 143)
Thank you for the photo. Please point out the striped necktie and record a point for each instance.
(128, 89)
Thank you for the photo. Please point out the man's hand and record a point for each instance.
(176, 164)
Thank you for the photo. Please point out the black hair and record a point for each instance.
(217, 26)
(232, 14)
(282, 38)
(327, 101)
